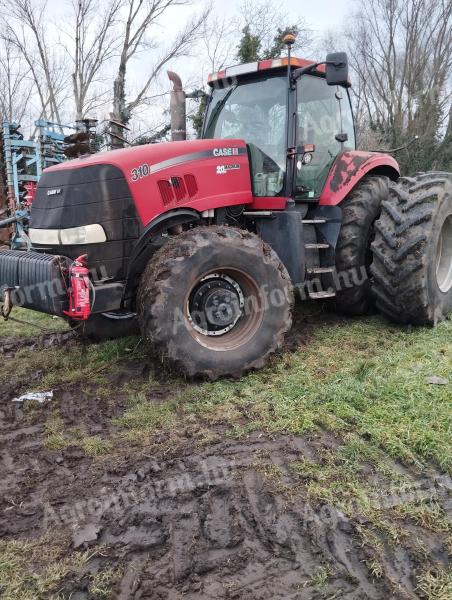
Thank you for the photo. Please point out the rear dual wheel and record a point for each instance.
(215, 301)
(360, 209)
(412, 265)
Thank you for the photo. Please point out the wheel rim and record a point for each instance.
(444, 256)
(224, 309)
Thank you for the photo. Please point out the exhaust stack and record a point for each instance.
(178, 110)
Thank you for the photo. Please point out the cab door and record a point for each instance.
(324, 119)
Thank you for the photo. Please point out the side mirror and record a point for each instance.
(337, 69)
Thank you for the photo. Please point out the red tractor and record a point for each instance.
(202, 243)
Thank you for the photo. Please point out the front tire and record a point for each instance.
(412, 268)
(215, 301)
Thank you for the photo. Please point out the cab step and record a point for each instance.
(320, 270)
(314, 221)
(317, 246)
(321, 295)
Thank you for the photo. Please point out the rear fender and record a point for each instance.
(348, 170)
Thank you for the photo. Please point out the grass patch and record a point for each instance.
(35, 321)
(59, 437)
(55, 438)
(429, 515)
(30, 570)
(320, 578)
(96, 446)
(367, 377)
(103, 582)
(435, 585)
(142, 418)
(56, 366)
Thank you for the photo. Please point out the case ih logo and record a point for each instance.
(225, 152)
(54, 192)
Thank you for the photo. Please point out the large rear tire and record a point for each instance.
(215, 301)
(412, 267)
(360, 210)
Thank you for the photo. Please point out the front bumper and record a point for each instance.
(40, 282)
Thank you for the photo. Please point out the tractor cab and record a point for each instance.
(294, 123)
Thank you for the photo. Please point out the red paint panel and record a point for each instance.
(268, 203)
(349, 168)
(221, 180)
(265, 64)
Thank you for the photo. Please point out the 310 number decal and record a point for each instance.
(140, 172)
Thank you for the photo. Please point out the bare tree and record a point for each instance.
(401, 51)
(141, 16)
(28, 35)
(264, 20)
(93, 43)
(219, 39)
(15, 85)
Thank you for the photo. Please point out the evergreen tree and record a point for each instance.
(278, 42)
(249, 47)
(197, 118)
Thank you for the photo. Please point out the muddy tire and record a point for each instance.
(106, 326)
(214, 302)
(412, 267)
(360, 210)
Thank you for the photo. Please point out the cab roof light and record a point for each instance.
(263, 65)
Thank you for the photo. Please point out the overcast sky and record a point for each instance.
(319, 15)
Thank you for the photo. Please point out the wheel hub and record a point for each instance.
(215, 304)
(444, 256)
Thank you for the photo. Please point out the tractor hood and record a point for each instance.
(100, 204)
(200, 174)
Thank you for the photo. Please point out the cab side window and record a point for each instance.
(323, 112)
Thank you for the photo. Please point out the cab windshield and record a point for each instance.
(255, 111)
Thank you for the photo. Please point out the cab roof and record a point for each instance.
(262, 65)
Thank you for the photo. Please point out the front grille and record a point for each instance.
(71, 197)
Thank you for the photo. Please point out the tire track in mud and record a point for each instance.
(205, 524)
(227, 521)
(11, 345)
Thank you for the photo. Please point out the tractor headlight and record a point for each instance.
(85, 234)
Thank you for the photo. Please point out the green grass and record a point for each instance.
(435, 585)
(102, 583)
(55, 366)
(320, 578)
(95, 445)
(59, 437)
(367, 377)
(32, 570)
(34, 323)
(361, 381)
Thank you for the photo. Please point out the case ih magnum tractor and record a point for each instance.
(202, 243)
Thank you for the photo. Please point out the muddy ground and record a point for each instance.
(176, 519)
